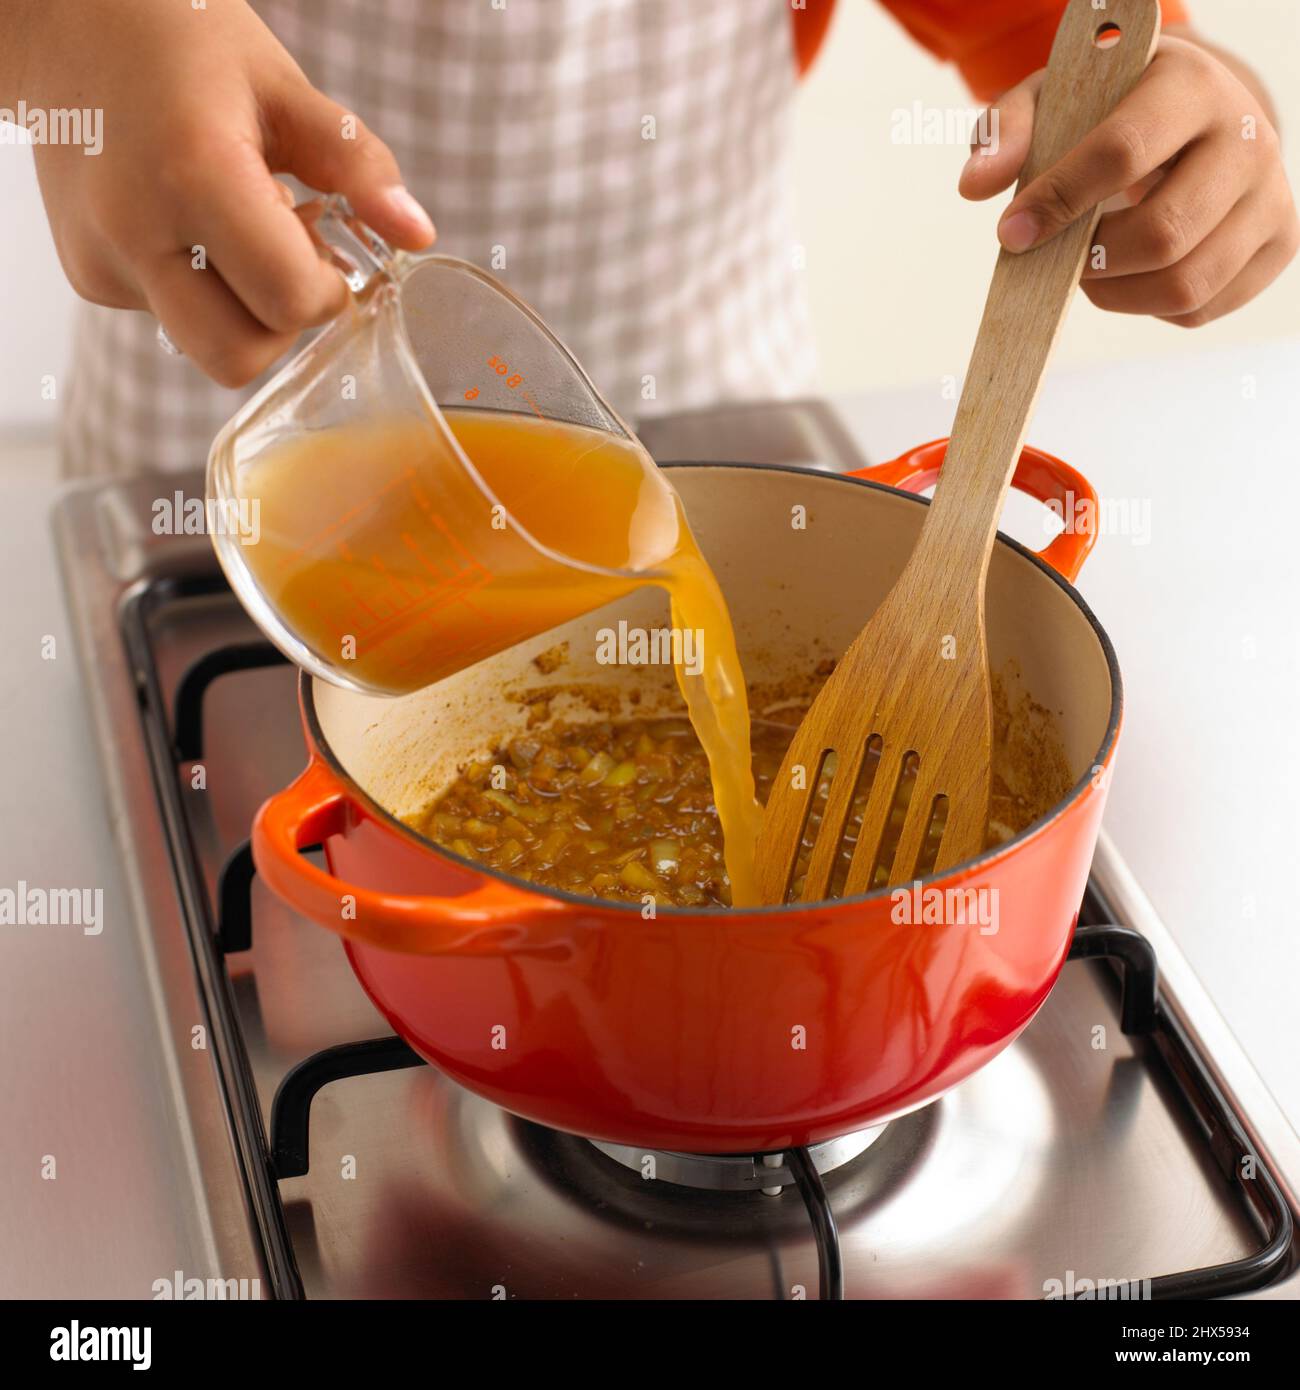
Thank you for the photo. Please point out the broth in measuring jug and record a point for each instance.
(378, 547)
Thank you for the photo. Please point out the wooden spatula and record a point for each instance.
(907, 713)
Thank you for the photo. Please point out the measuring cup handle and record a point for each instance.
(356, 252)
(492, 919)
(1039, 475)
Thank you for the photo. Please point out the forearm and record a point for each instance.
(1241, 71)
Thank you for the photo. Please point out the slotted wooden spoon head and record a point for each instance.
(907, 715)
(904, 725)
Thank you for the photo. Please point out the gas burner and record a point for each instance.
(768, 1173)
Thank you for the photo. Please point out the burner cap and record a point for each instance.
(767, 1173)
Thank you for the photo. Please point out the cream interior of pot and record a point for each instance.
(804, 559)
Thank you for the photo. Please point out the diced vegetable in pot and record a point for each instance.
(619, 810)
(623, 811)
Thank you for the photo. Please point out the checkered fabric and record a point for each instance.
(668, 264)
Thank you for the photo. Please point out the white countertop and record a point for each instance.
(77, 1085)
(1206, 812)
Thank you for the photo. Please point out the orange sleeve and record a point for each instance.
(994, 43)
(810, 22)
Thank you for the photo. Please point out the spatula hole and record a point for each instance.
(898, 805)
(813, 816)
(929, 855)
(1107, 35)
(861, 791)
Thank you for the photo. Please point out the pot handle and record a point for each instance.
(1038, 475)
(485, 921)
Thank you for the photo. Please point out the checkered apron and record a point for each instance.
(620, 164)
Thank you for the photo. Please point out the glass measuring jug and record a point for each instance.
(432, 479)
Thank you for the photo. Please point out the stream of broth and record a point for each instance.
(382, 554)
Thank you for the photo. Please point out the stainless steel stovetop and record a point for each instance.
(1061, 1161)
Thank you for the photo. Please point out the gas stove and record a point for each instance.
(1122, 1141)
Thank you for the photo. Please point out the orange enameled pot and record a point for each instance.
(711, 1032)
